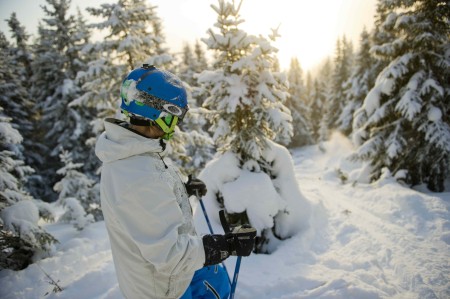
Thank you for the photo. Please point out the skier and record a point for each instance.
(156, 251)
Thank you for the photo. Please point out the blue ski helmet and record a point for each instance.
(151, 93)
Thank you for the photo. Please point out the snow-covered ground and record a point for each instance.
(379, 240)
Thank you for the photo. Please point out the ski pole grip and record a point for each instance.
(224, 222)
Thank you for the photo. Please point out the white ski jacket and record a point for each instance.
(148, 216)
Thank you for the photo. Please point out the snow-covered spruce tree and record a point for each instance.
(358, 85)
(408, 125)
(342, 66)
(55, 65)
(252, 177)
(316, 103)
(184, 69)
(127, 44)
(296, 103)
(21, 238)
(21, 52)
(76, 194)
(193, 61)
(14, 96)
(198, 143)
(24, 114)
(324, 96)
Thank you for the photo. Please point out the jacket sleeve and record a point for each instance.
(151, 216)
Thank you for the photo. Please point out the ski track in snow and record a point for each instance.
(377, 240)
(366, 244)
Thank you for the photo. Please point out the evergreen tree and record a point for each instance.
(200, 62)
(185, 70)
(20, 64)
(341, 72)
(407, 127)
(358, 85)
(316, 100)
(198, 144)
(22, 52)
(55, 66)
(247, 99)
(14, 96)
(296, 103)
(20, 235)
(129, 42)
(246, 109)
(325, 96)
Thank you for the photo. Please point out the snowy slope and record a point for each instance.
(379, 240)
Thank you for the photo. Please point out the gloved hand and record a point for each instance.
(195, 187)
(239, 242)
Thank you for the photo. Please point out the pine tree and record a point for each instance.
(247, 113)
(358, 85)
(129, 42)
(316, 100)
(325, 96)
(56, 63)
(296, 103)
(341, 72)
(20, 235)
(185, 71)
(408, 128)
(14, 96)
(248, 107)
(198, 144)
(22, 52)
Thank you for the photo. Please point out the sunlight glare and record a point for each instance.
(307, 28)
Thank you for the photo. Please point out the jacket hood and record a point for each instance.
(117, 142)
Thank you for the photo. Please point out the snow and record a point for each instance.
(364, 240)
(240, 195)
(434, 114)
(21, 217)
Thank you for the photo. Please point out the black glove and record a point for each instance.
(195, 187)
(238, 242)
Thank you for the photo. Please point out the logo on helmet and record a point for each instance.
(172, 109)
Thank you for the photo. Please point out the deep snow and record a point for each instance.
(378, 240)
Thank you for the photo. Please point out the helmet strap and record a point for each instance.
(140, 122)
(168, 129)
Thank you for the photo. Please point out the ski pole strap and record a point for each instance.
(224, 222)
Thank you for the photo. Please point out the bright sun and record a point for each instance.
(308, 29)
(305, 33)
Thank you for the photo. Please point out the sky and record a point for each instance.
(308, 28)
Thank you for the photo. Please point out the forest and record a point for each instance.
(389, 94)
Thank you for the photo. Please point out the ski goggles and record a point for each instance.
(161, 105)
(167, 124)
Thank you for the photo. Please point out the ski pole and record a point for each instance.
(227, 229)
(235, 276)
(211, 231)
(206, 214)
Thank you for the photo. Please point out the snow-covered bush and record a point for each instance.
(269, 199)
(77, 194)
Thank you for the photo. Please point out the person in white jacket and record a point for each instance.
(156, 250)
